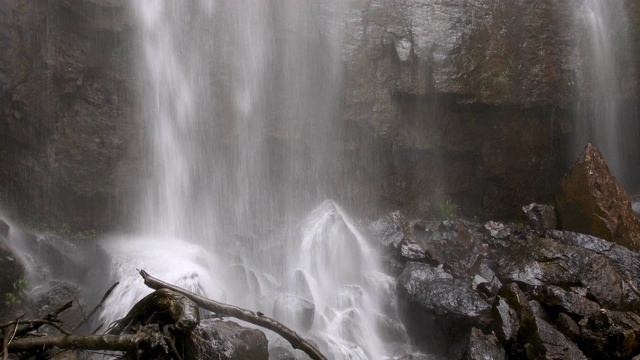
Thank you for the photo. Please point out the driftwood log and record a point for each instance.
(297, 341)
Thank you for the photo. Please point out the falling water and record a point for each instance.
(240, 102)
(602, 119)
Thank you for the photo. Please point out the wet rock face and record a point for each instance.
(591, 201)
(65, 108)
(226, 340)
(428, 84)
(519, 292)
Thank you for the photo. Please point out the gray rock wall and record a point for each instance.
(443, 99)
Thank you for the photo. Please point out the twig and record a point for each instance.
(297, 341)
(34, 324)
(98, 328)
(104, 297)
(172, 345)
(6, 340)
(632, 287)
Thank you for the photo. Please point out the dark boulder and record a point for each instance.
(511, 314)
(540, 218)
(538, 261)
(226, 340)
(483, 347)
(625, 262)
(545, 342)
(437, 309)
(395, 234)
(558, 300)
(610, 335)
(591, 201)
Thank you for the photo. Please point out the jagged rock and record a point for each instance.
(458, 245)
(540, 217)
(538, 261)
(610, 335)
(438, 308)
(497, 230)
(395, 233)
(389, 229)
(226, 340)
(591, 201)
(484, 347)
(625, 262)
(545, 342)
(567, 326)
(511, 314)
(559, 300)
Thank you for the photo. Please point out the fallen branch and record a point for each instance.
(88, 342)
(291, 336)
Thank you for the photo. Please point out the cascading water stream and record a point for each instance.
(239, 103)
(601, 117)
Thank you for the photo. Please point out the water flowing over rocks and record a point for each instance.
(591, 201)
(426, 83)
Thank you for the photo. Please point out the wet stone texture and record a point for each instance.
(591, 201)
(513, 292)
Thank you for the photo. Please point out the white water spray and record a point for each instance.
(239, 102)
(601, 118)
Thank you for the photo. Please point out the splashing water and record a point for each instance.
(239, 103)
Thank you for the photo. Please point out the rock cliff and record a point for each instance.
(464, 100)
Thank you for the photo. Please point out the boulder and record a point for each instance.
(540, 218)
(535, 261)
(555, 299)
(226, 340)
(545, 342)
(437, 309)
(396, 234)
(610, 335)
(591, 201)
(511, 314)
(624, 261)
(482, 347)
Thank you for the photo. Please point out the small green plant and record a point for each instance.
(19, 292)
(449, 210)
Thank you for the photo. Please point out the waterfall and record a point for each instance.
(605, 59)
(240, 106)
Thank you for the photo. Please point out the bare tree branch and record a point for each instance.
(297, 341)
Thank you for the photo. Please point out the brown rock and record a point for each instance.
(591, 201)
